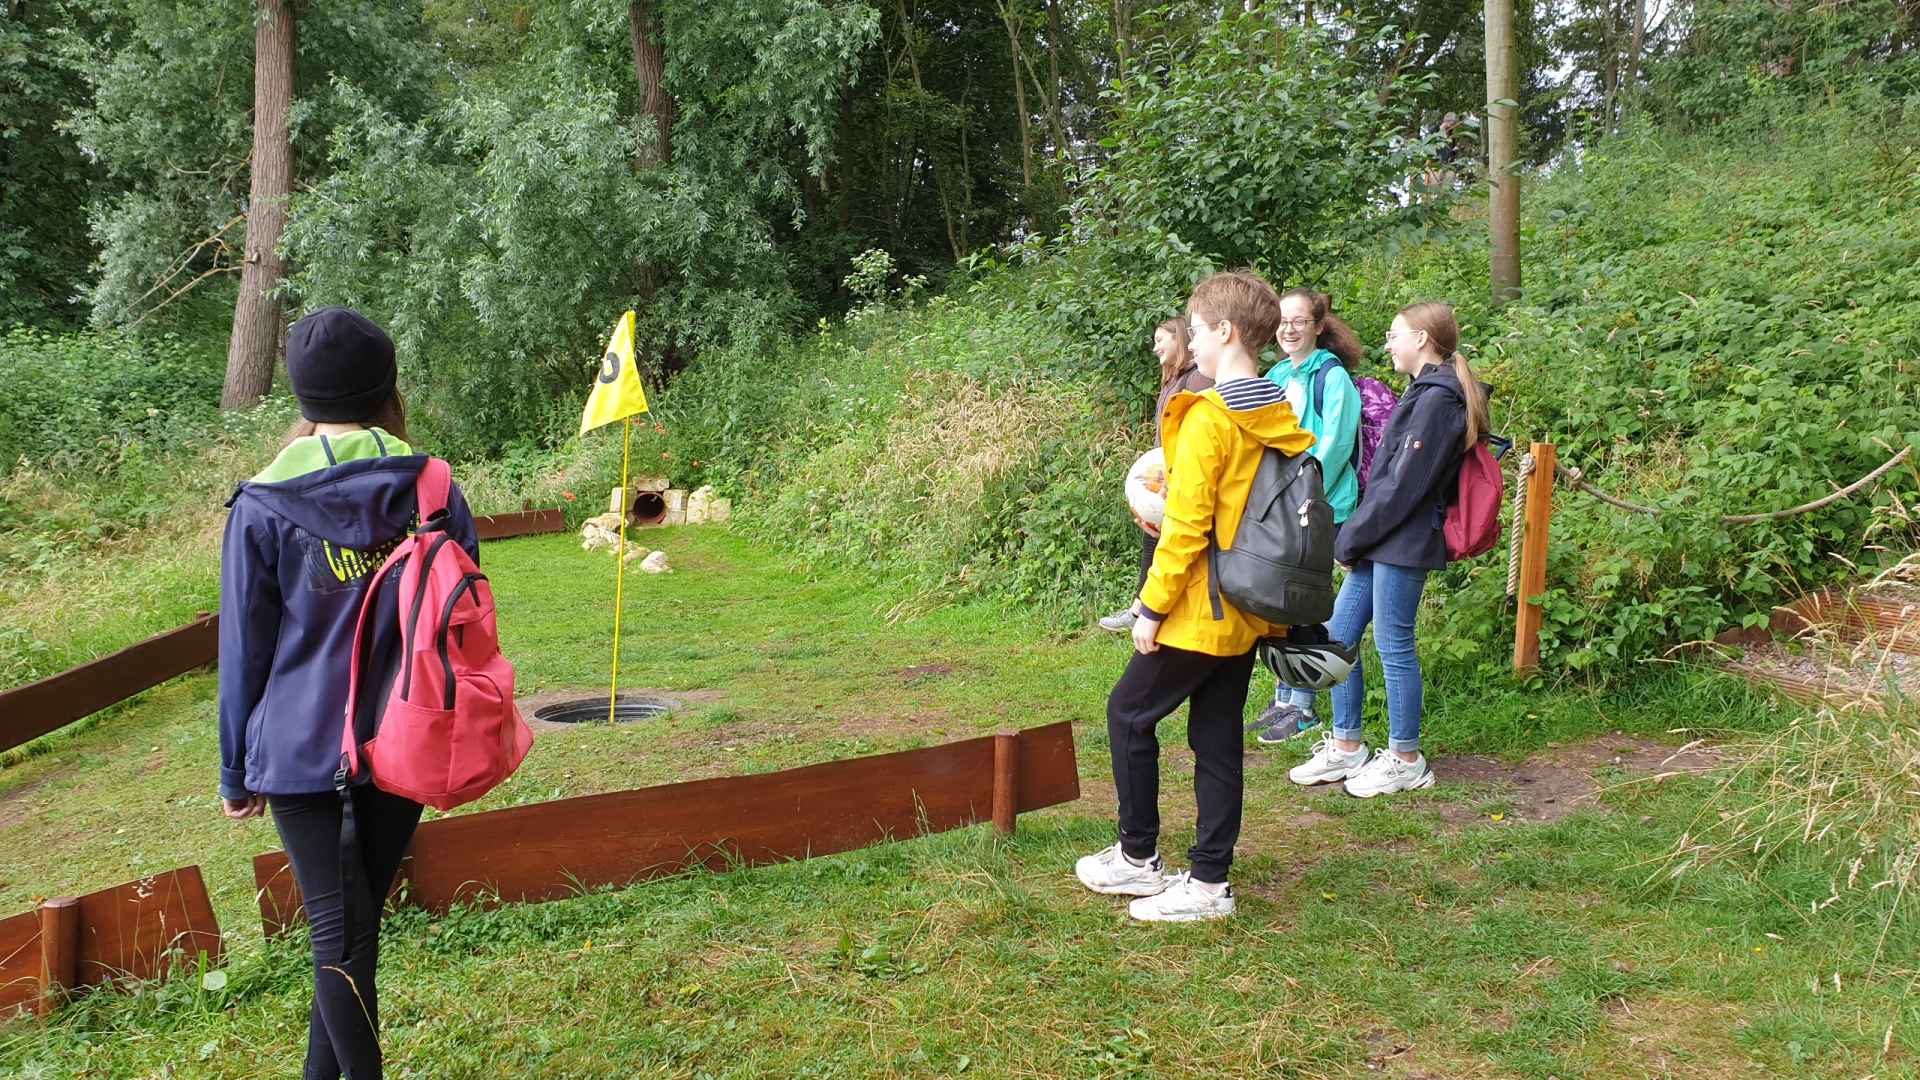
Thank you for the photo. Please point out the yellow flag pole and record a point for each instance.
(620, 567)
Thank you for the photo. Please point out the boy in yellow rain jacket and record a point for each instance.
(1214, 441)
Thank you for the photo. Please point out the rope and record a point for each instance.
(1572, 475)
(1515, 534)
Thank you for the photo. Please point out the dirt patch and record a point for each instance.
(923, 672)
(1557, 781)
(1667, 1036)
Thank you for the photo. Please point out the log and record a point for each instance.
(553, 850)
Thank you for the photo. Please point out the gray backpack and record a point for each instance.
(1280, 567)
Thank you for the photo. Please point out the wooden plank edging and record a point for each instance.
(30, 711)
(553, 850)
(139, 930)
(519, 523)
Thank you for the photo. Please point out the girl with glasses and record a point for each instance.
(1317, 353)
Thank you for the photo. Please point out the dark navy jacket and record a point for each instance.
(294, 568)
(1415, 471)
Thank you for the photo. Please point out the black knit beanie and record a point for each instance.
(341, 366)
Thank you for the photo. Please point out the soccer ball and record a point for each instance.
(1147, 487)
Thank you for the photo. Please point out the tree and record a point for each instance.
(257, 326)
(1502, 160)
(46, 179)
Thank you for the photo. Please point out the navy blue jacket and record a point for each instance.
(1415, 473)
(294, 568)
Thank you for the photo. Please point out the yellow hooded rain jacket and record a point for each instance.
(1212, 454)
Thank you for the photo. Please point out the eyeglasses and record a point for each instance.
(1391, 334)
(1193, 329)
(1295, 324)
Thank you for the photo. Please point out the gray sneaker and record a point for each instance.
(1120, 622)
(1292, 723)
(1271, 715)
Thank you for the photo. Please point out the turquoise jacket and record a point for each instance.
(1335, 424)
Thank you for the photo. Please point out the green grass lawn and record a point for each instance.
(1436, 934)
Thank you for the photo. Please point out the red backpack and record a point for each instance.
(448, 731)
(1473, 519)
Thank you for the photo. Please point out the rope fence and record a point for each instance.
(1533, 514)
(1573, 475)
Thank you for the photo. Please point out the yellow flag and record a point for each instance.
(616, 392)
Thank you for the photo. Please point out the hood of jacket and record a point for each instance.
(1270, 425)
(355, 504)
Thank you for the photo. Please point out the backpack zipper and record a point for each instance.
(446, 622)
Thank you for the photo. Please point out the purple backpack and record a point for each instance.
(1377, 401)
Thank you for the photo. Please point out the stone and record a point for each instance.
(656, 563)
(720, 510)
(675, 499)
(635, 551)
(654, 484)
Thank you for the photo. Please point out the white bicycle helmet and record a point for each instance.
(1307, 665)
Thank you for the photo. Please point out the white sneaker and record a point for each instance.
(1386, 774)
(1120, 622)
(1109, 871)
(1183, 900)
(1328, 763)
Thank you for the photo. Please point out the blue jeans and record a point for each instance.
(1387, 596)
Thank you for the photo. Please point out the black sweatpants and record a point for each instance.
(343, 1029)
(1151, 688)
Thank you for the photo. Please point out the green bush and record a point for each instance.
(90, 399)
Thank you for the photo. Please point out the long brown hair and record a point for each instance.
(1443, 333)
(390, 417)
(1176, 362)
(1335, 335)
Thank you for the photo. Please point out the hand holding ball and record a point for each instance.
(1147, 488)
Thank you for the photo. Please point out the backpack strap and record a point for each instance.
(1317, 397)
(1213, 576)
(431, 489)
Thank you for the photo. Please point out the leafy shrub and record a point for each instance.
(87, 400)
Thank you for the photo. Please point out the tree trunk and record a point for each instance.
(1057, 106)
(1122, 34)
(649, 67)
(257, 332)
(1637, 43)
(939, 168)
(1503, 143)
(1011, 18)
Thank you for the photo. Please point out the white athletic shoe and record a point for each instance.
(1120, 622)
(1328, 763)
(1386, 774)
(1183, 900)
(1109, 871)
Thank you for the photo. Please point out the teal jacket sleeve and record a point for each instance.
(1339, 424)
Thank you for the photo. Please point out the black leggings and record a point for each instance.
(1149, 544)
(343, 1028)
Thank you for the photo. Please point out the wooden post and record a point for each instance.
(1533, 558)
(1006, 781)
(59, 951)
